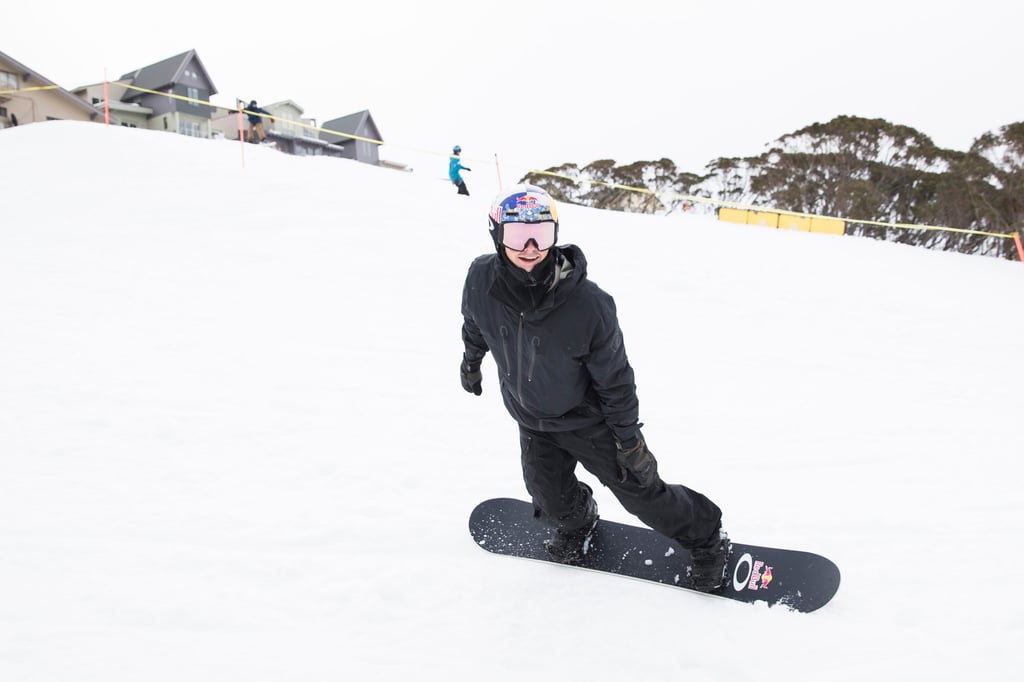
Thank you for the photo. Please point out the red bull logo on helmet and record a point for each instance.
(524, 207)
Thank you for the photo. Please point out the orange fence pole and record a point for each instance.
(1020, 247)
(498, 168)
(241, 133)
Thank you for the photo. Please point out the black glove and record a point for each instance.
(636, 460)
(464, 168)
(472, 379)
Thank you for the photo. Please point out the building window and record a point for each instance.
(8, 81)
(190, 128)
(193, 96)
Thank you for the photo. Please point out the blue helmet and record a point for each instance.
(456, 149)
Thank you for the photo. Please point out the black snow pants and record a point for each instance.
(549, 463)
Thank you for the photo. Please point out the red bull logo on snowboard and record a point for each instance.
(760, 582)
(750, 574)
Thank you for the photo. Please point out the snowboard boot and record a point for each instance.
(570, 545)
(707, 562)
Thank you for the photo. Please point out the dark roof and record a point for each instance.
(360, 123)
(164, 73)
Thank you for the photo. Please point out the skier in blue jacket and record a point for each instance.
(454, 166)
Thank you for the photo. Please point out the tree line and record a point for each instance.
(864, 171)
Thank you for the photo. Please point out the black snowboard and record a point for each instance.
(799, 581)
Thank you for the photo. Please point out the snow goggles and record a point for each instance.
(517, 235)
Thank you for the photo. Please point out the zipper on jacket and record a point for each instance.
(503, 330)
(519, 358)
(534, 347)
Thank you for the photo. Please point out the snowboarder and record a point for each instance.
(254, 113)
(454, 166)
(564, 377)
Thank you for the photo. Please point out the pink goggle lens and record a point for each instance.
(517, 235)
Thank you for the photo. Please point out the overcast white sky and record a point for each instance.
(544, 83)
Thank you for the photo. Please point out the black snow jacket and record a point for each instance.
(561, 362)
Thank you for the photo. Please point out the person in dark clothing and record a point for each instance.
(454, 166)
(255, 115)
(564, 377)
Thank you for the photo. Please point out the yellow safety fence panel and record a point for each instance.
(765, 218)
(827, 225)
(800, 223)
(733, 215)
